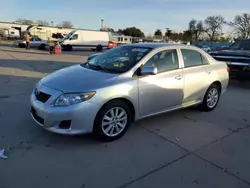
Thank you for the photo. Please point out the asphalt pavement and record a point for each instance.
(183, 149)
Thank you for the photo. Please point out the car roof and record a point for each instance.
(155, 45)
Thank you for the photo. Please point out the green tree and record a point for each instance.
(107, 29)
(132, 31)
(158, 32)
(168, 34)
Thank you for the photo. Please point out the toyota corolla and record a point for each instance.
(106, 94)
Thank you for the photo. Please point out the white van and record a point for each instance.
(86, 39)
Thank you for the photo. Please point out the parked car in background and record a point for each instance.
(205, 48)
(127, 83)
(237, 57)
(35, 42)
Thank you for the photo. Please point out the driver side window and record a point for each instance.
(164, 61)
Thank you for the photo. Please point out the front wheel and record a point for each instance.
(99, 48)
(112, 121)
(211, 98)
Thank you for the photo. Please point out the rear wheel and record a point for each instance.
(112, 121)
(211, 98)
(42, 46)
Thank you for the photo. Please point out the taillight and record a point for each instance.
(228, 69)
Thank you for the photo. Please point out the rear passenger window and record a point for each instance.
(192, 58)
(164, 61)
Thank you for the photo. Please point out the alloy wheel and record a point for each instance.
(114, 121)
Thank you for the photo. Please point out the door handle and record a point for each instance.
(179, 77)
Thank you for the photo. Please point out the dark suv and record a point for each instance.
(237, 57)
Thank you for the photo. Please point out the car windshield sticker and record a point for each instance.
(139, 50)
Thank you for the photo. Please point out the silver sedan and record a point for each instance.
(127, 83)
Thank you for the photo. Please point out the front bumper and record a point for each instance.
(80, 116)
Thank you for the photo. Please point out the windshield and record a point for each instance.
(69, 35)
(119, 59)
(240, 45)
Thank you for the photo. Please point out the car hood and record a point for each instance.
(78, 79)
(231, 53)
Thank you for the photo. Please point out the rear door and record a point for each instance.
(196, 71)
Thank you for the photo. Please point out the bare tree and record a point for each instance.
(213, 26)
(42, 22)
(241, 24)
(24, 21)
(66, 24)
(196, 28)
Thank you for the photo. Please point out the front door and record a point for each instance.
(164, 90)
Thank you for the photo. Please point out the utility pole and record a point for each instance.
(102, 24)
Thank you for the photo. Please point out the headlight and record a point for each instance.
(73, 98)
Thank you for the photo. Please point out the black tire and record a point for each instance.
(99, 48)
(98, 130)
(205, 106)
(67, 48)
(42, 47)
(21, 45)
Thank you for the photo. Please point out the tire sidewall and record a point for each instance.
(98, 131)
(204, 104)
(99, 48)
(42, 46)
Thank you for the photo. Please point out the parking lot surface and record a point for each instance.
(187, 148)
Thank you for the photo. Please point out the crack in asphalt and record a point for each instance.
(188, 153)
(233, 131)
(153, 171)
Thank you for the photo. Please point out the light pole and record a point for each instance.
(102, 23)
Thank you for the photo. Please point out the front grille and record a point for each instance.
(37, 118)
(41, 96)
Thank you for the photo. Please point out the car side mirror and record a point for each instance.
(149, 70)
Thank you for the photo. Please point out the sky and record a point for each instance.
(148, 15)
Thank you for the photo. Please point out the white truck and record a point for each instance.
(86, 39)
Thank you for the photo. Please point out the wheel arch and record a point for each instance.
(218, 83)
(126, 101)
